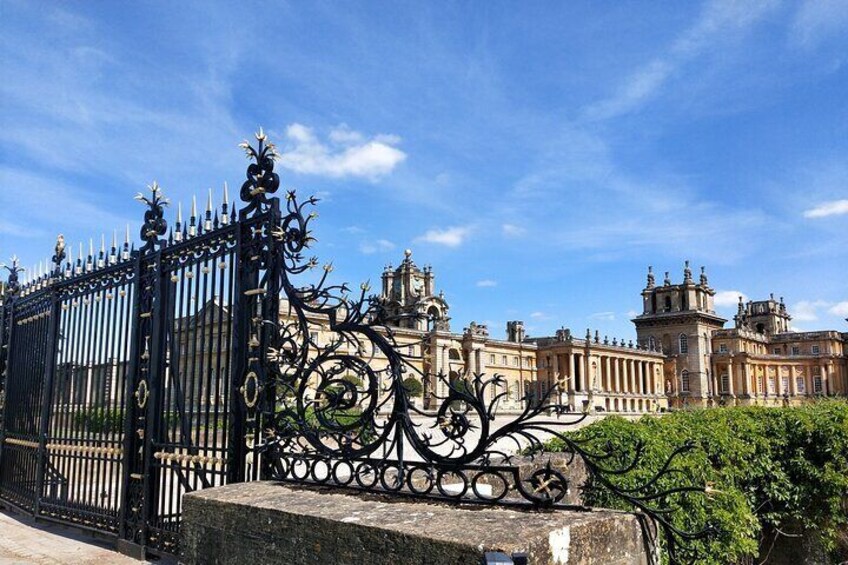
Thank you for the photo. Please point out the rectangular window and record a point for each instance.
(772, 385)
(491, 359)
(684, 382)
(796, 350)
(800, 385)
(722, 348)
(785, 384)
(410, 350)
(313, 337)
(725, 383)
(503, 360)
(817, 384)
(776, 351)
(816, 350)
(515, 361)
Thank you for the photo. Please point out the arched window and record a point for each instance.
(652, 343)
(668, 303)
(684, 343)
(684, 381)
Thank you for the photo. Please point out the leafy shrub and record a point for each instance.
(413, 386)
(98, 421)
(775, 470)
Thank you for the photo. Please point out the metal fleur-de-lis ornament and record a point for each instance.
(154, 224)
(261, 178)
(13, 286)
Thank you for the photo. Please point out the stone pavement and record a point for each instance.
(22, 542)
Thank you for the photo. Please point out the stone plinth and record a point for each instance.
(265, 522)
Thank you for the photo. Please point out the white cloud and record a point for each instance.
(487, 283)
(540, 316)
(452, 237)
(348, 153)
(729, 298)
(511, 230)
(807, 310)
(369, 247)
(839, 309)
(604, 316)
(632, 313)
(832, 208)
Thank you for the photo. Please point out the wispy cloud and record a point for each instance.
(807, 310)
(539, 315)
(718, 20)
(815, 20)
(511, 230)
(603, 316)
(370, 247)
(729, 298)
(839, 309)
(832, 208)
(451, 237)
(346, 153)
(487, 283)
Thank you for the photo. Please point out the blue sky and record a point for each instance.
(538, 155)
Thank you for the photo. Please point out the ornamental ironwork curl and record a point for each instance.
(338, 413)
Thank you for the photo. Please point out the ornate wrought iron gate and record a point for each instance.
(130, 377)
(127, 375)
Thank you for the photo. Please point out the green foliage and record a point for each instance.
(413, 386)
(773, 468)
(98, 421)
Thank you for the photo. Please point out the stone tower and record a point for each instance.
(409, 294)
(679, 319)
(767, 317)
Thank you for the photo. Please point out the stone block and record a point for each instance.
(265, 522)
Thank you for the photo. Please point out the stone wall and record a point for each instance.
(266, 522)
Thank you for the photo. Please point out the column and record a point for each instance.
(641, 378)
(825, 375)
(746, 380)
(731, 389)
(778, 380)
(617, 370)
(793, 387)
(608, 374)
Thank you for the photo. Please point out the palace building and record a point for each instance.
(683, 355)
(761, 360)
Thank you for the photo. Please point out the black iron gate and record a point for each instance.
(127, 375)
(131, 377)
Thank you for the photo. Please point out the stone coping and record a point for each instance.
(267, 522)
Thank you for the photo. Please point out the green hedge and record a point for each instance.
(775, 469)
(98, 421)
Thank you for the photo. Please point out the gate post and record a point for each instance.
(247, 277)
(47, 380)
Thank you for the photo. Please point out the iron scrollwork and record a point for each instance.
(341, 415)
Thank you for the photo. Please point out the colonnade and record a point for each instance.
(748, 378)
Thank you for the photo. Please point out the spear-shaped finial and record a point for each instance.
(101, 258)
(178, 232)
(207, 224)
(125, 253)
(192, 222)
(224, 217)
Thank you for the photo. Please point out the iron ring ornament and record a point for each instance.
(142, 393)
(342, 416)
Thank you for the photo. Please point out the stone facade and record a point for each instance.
(758, 361)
